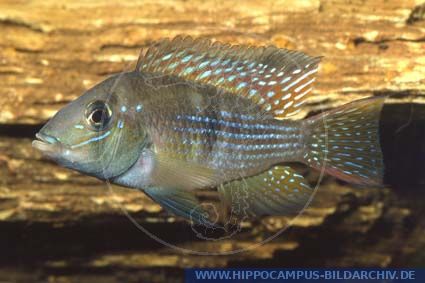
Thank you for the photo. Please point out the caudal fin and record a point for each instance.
(345, 142)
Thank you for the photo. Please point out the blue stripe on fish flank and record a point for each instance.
(250, 139)
(243, 147)
(256, 147)
(231, 135)
(259, 156)
(248, 146)
(239, 116)
(235, 144)
(257, 126)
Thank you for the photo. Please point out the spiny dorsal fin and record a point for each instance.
(277, 191)
(277, 79)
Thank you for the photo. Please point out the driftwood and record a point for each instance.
(60, 226)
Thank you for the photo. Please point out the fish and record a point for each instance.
(196, 114)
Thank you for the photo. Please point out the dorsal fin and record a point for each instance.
(277, 79)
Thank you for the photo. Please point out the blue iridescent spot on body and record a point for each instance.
(166, 57)
(173, 65)
(225, 62)
(231, 78)
(181, 53)
(186, 59)
(218, 71)
(198, 58)
(251, 93)
(189, 70)
(270, 94)
(215, 63)
(205, 74)
(241, 85)
(204, 64)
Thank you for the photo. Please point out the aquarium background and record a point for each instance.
(60, 226)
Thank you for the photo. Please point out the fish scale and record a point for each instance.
(248, 138)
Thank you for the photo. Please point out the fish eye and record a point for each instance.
(98, 115)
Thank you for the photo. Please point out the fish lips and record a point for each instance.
(52, 148)
(48, 145)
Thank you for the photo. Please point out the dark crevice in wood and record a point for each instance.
(19, 130)
(417, 14)
(382, 43)
(10, 22)
(403, 144)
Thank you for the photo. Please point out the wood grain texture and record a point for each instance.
(60, 226)
(50, 53)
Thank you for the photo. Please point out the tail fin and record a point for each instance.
(345, 141)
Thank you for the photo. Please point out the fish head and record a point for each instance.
(98, 133)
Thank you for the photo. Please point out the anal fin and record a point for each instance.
(277, 191)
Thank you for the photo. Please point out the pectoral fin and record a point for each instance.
(277, 191)
(181, 203)
(176, 173)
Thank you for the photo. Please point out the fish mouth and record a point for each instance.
(45, 143)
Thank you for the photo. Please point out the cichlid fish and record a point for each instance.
(196, 114)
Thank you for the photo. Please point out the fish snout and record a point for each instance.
(45, 143)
